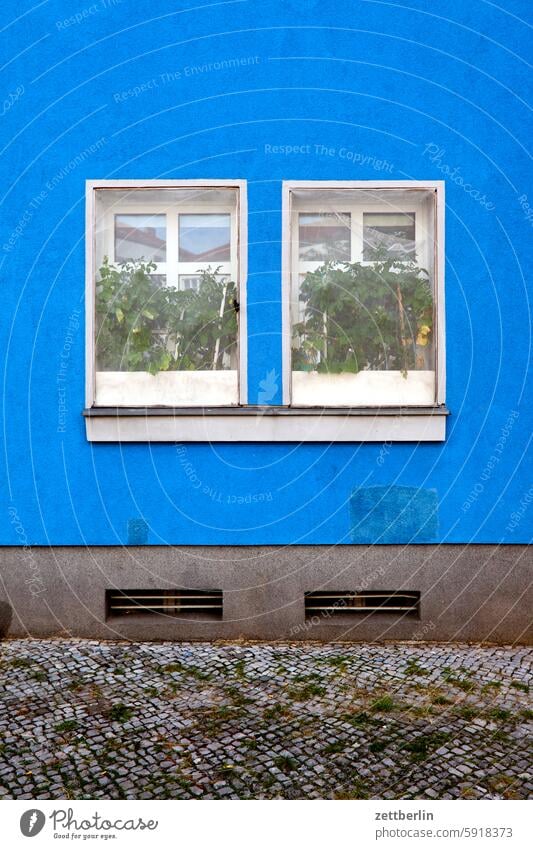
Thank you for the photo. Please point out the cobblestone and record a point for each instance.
(81, 719)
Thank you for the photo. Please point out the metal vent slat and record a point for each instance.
(177, 599)
(363, 607)
(164, 606)
(194, 603)
(331, 603)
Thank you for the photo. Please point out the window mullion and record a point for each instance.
(172, 248)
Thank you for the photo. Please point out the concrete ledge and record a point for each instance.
(266, 424)
(477, 592)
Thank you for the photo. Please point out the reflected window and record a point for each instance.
(204, 237)
(140, 237)
(324, 236)
(390, 233)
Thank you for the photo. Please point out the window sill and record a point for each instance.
(266, 424)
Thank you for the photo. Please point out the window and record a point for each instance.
(364, 295)
(165, 287)
(362, 304)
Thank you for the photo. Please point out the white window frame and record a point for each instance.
(237, 267)
(292, 267)
(173, 268)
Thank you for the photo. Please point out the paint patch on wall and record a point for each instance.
(394, 514)
(137, 532)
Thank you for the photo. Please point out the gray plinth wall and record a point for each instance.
(470, 593)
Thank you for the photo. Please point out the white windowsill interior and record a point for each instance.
(364, 389)
(167, 388)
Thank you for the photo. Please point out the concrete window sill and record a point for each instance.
(266, 424)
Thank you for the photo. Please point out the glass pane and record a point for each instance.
(192, 281)
(363, 334)
(324, 236)
(390, 233)
(189, 281)
(140, 236)
(204, 238)
(163, 339)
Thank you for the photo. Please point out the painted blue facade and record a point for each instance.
(265, 91)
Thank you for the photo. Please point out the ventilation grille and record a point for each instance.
(331, 603)
(194, 604)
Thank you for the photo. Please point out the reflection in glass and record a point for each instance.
(393, 232)
(191, 282)
(142, 325)
(204, 237)
(139, 236)
(324, 236)
(165, 321)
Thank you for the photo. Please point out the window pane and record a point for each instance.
(363, 332)
(192, 281)
(189, 281)
(388, 233)
(140, 236)
(204, 238)
(324, 236)
(164, 338)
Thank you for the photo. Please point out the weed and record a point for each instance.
(120, 712)
(39, 675)
(421, 746)
(338, 661)
(500, 713)
(500, 735)
(237, 697)
(360, 718)
(303, 679)
(413, 668)
(21, 663)
(422, 710)
(307, 691)
(460, 683)
(286, 763)
(193, 671)
(441, 700)
(170, 668)
(277, 711)
(383, 705)
(335, 747)
(467, 712)
(240, 668)
(357, 791)
(65, 726)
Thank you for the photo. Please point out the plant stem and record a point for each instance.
(402, 328)
(220, 314)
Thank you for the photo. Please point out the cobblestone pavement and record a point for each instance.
(84, 719)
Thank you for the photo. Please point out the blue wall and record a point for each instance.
(368, 90)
